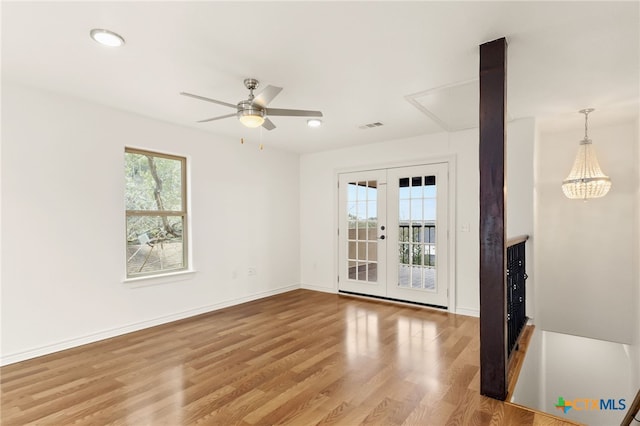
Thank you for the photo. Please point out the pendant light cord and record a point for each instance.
(584, 163)
(586, 112)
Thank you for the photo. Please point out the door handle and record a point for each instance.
(382, 237)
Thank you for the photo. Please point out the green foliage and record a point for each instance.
(404, 254)
(146, 192)
(417, 254)
(410, 254)
(141, 186)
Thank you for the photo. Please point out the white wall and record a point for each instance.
(636, 347)
(586, 270)
(318, 201)
(529, 390)
(520, 174)
(520, 143)
(63, 234)
(575, 368)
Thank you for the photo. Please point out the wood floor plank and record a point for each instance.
(299, 358)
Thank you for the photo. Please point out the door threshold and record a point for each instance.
(391, 299)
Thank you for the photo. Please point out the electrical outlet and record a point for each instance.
(252, 271)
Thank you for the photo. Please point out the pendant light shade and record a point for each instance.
(586, 179)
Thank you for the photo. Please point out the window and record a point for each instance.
(156, 215)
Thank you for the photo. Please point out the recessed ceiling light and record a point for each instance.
(107, 38)
(314, 122)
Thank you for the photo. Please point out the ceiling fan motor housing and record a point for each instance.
(248, 108)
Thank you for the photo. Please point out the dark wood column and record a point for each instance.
(493, 347)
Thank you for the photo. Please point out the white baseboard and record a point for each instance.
(319, 288)
(460, 311)
(468, 312)
(118, 331)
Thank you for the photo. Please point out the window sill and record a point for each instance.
(170, 277)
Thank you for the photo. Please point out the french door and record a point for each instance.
(393, 233)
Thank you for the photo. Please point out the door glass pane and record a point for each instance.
(416, 232)
(430, 190)
(416, 187)
(416, 277)
(351, 210)
(429, 208)
(372, 272)
(361, 210)
(362, 231)
(403, 254)
(416, 254)
(404, 275)
(403, 213)
(362, 251)
(362, 238)
(351, 230)
(352, 270)
(403, 234)
(372, 251)
(352, 250)
(416, 210)
(362, 190)
(372, 211)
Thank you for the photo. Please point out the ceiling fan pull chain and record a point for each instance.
(261, 146)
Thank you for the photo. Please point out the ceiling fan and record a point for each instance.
(253, 112)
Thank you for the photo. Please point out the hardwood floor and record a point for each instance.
(299, 358)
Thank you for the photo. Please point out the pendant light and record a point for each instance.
(586, 180)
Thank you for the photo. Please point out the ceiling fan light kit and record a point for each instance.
(314, 123)
(250, 115)
(253, 111)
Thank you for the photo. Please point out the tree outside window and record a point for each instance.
(156, 212)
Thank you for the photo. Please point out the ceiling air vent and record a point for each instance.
(370, 125)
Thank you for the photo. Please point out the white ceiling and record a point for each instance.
(355, 61)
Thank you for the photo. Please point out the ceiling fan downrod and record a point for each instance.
(251, 84)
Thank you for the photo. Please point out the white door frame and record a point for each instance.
(451, 208)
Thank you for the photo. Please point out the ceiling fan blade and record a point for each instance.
(292, 112)
(217, 118)
(267, 95)
(268, 124)
(202, 98)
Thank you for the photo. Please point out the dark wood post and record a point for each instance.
(493, 347)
